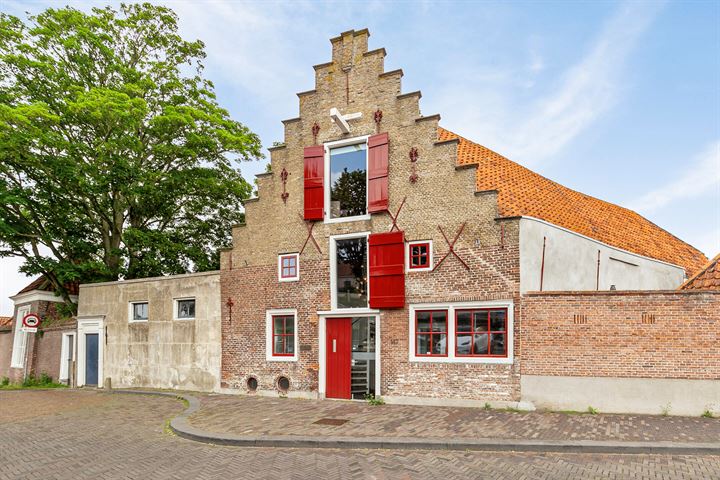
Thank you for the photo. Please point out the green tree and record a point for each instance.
(349, 191)
(116, 160)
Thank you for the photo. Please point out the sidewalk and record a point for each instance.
(256, 421)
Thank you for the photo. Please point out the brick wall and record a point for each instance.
(660, 334)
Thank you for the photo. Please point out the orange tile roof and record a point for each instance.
(522, 192)
(43, 284)
(6, 322)
(706, 279)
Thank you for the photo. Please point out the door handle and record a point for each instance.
(334, 345)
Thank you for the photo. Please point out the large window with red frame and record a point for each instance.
(431, 327)
(283, 329)
(481, 333)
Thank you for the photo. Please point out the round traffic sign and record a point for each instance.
(31, 320)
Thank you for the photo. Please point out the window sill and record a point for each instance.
(358, 218)
(274, 358)
(138, 321)
(183, 319)
(290, 279)
(463, 360)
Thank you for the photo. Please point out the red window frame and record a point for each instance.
(293, 267)
(419, 256)
(487, 331)
(284, 335)
(432, 333)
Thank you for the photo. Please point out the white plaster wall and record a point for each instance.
(622, 395)
(161, 352)
(571, 263)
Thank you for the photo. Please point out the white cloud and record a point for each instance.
(530, 133)
(701, 175)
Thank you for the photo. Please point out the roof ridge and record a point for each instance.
(704, 269)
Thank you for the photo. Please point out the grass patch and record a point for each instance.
(707, 414)
(31, 382)
(184, 401)
(373, 400)
(592, 411)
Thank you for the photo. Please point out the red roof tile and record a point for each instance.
(706, 279)
(43, 284)
(5, 322)
(522, 192)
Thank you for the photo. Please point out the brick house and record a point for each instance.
(52, 349)
(385, 255)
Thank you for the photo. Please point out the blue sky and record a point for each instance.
(619, 100)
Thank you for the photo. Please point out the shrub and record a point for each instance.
(5, 382)
(373, 400)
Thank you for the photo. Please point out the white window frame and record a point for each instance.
(326, 178)
(176, 303)
(333, 271)
(19, 339)
(269, 335)
(451, 308)
(297, 267)
(131, 311)
(64, 373)
(407, 256)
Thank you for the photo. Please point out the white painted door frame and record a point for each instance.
(64, 370)
(87, 325)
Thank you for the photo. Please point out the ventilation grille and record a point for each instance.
(579, 319)
(648, 318)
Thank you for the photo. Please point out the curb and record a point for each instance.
(181, 427)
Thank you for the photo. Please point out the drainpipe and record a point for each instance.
(597, 277)
(542, 266)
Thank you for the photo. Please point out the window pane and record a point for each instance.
(186, 309)
(481, 321)
(497, 320)
(278, 325)
(423, 321)
(348, 181)
(481, 344)
(278, 344)
(423, 344)
(463, 322)
(351, 273)
(439, 321)
(289, 325)
(497, 343)
(464, 344)
(439, 346)
(289, 344)
(286, 262)
(140, 311)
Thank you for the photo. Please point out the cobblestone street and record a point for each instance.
(92, 435)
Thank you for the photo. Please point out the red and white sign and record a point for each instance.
(30, 322)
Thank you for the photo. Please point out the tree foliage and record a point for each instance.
(116, 160)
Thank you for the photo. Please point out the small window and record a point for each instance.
(185, 309)
(431, 328)
(289, 267)
(283, 335)
(420, 256)
(138, 311)
(481, 333)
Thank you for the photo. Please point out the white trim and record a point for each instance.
(407, 256)
(612, 247)
(175, 309)
(451, 307)
(322, 358)
(333, 268)
(297, 267)
(20, 339)
(268, 335)
(131, 311)
(90, 325)
(327, 175)
(39, 296)
(64, 373)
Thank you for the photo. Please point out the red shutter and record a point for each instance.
(387, 270)
(378, 160)
(314, 195)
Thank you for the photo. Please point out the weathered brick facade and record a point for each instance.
(622, 334)
(443, 196)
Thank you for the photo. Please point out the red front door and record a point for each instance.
(338, 350)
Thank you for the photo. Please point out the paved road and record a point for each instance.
(88, 435)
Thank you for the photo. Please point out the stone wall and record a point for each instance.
(161, 352)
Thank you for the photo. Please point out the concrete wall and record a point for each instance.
(571, 263)
(160, 352)
(6, 343)
(622, 395)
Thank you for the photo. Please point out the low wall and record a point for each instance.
(160, 352)
(6, 343)
(622, 351)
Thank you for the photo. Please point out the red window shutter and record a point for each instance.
(387, 270)
(378, 161)
(314, 195)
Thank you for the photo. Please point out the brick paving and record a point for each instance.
(92, 435)
(255, 415)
